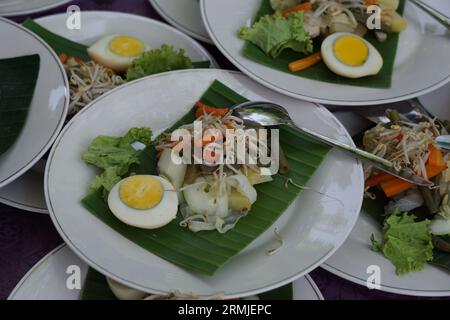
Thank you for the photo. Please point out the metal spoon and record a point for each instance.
(268, 114)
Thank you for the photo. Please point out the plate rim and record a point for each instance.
(396, 290)
(274, 87)
(138, 286)
(33, 269)
(24, 207)
(53, 252)
(35, 10)
(18, 173)
(178, 25)
(386, 287)
(314, 286)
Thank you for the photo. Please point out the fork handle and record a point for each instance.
(441, 18)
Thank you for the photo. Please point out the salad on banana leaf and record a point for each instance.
(110, 62)
(336, 27)
(209, 194)
(416, 219)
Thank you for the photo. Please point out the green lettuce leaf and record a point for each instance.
(275, 33)
(106, 180)
(159, 60)
(406, 243)
(115, 155)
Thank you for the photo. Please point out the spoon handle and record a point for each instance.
(361, 154)
(378, 162)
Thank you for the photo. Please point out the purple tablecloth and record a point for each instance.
(26, 237)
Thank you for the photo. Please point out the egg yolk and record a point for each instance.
(126, 46)
(351, 50)
(141, 192)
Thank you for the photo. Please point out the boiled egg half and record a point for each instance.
(144, 201)
(117, 52)
(349, 55)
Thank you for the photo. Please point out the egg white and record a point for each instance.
(156, 217)
(101, 53)
(371, 66)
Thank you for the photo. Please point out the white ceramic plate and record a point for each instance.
(9, 8)
(355, 256)
(27, 193)
(313, 227)
(184, 15)
(48, 107)
(47, 280)
(421, 64)
(352, 259)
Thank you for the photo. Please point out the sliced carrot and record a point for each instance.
(63, 57)
(393, 186)
(436, 158)
(203, 108)
(205, 140)
(178, 147)
(229, 125)
(379, 178)
(305, 63)
(307, 6)
(396, 186)
(433, 171)
(371, 2)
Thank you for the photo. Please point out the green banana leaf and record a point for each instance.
(320, 72)
(18, 77)
(59, 44)
(65, 46)
(207, 251)
(96, 288)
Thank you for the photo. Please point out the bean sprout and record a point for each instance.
(88, 81)
(404, 143)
